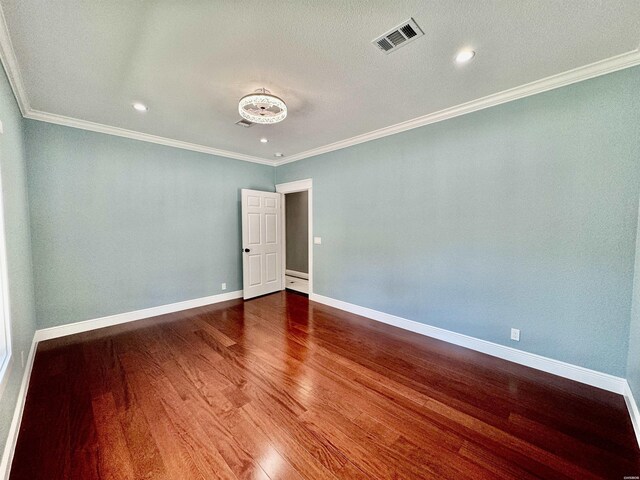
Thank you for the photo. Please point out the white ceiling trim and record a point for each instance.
(144, 137)
(579, 74)
(11, 66)
(10, 63)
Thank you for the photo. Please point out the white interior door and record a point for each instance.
(261, 243)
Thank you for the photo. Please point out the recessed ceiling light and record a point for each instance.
(464, 56)
(140, 107)
(278, 154)
(263, 140)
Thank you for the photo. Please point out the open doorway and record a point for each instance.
(297, 241)
(297, 257)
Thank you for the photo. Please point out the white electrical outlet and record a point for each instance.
(515, 334)
(224, 286)
(317, 240)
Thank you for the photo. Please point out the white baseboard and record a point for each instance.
(573, 372)
(297, 274)
(549, 365)
(14, 428)
(86, 325)
(634, 413)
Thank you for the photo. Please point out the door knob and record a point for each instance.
(246, 250)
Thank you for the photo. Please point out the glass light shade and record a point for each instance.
(262, 107)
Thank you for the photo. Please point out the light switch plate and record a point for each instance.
(317, 240)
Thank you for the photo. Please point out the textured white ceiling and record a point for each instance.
(190, 61)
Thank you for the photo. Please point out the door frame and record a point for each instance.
(294, 187)
(6, 363)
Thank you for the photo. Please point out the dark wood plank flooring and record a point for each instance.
(282, 388)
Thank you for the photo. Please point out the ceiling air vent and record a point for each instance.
(399, 36)
(244, 123)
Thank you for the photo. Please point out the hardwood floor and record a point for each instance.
(282, 388)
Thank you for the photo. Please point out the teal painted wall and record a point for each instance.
(523, 215)
(16, 216)
(633, 360)
(120, 225)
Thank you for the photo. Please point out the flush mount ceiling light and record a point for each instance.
(464, 56)
(278, 154)
(263, 140)
(140, 107)
(262, 107)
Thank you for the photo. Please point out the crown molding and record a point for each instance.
(609, 65)
(144, 137)
(11, 66)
